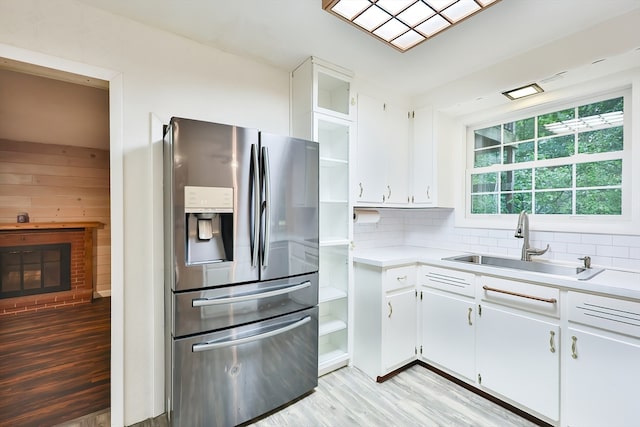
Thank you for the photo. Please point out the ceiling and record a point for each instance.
(283, 33)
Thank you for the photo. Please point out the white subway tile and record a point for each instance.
(567, 237)
(632, 241)
(581, 249)
(597, 239)
(612, 251)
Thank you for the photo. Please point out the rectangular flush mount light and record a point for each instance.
(404, 24)
(521, 92)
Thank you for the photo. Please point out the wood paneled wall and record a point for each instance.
(59, 183)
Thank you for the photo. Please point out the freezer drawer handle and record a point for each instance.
(202, 302)
(232, 342)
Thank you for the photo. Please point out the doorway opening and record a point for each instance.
(55, 167)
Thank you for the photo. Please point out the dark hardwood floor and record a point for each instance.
(55, 364)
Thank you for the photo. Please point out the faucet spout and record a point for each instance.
(522, 232)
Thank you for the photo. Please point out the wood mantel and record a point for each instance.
(48, 225)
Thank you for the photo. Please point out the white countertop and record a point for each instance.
(611, 282)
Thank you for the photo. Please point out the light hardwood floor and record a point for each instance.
(347, 397)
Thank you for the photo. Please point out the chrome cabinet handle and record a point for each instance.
(390, 310)
(574, 351)
(203, 302)
(389, 193)
(412, 199)
(231, 342)
(400, 278)
(428, 192)
(469, 316)
(552, 342)
(361, 189)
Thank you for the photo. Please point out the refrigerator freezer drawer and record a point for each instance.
(231, 376)
(209, 310)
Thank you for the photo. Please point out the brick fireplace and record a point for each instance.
(44, 286)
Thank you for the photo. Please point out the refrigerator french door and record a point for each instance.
(241, 286)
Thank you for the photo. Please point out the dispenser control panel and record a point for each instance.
(208, 199)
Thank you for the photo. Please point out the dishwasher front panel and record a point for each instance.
(202, 311)
(231, 376)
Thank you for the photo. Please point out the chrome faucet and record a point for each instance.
(522, 232)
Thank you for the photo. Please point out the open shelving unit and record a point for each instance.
(322, 111)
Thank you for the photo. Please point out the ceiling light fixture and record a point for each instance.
(404, 24)
(521, 92)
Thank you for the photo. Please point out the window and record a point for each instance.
(561, 163)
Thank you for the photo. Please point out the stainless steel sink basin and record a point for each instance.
(579, 273)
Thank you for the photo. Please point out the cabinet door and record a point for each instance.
(370, 153)
(448, 332)
(517, 357)
(423, 164)
(601, 381)
(399, 327)
(396, 162)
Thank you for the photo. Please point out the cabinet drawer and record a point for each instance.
(613, 314)
(400, 277)
(522, 295)
(458, 282)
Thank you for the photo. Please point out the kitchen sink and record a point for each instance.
(579, 273)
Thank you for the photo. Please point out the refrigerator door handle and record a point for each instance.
(203, 302)
(267, 206)
(231, 342)
(255, 215)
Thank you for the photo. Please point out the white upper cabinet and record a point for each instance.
(382, 153)
(423, 189)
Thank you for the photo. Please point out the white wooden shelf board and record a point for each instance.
(330, 294)
(329, 325)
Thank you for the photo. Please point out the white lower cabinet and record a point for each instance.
(601, 382)
(399, 329)
(602, 353)
(448, 318)
(385, 318)
(448, 332)
(518, 357)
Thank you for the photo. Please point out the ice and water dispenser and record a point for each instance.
(209, 224)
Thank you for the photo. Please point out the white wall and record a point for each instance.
(161, 74)
(436, 229)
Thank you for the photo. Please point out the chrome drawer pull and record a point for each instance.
(552, 342)
(230, 342)
(202, 302)
(469, 316)
(516, 294)
(574, 351)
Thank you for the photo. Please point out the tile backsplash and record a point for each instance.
(436, 229)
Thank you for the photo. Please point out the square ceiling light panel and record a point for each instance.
(404, 24)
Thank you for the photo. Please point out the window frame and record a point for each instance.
(627, 223)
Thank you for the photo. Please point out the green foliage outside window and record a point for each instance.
(566, 184)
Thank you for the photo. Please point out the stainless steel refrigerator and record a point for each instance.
(241, 271)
